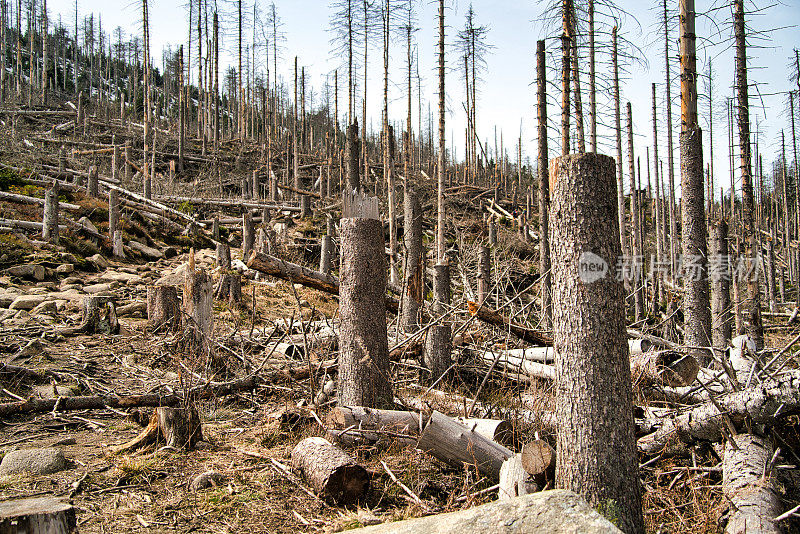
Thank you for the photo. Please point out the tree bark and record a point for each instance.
(412, 235)
(50, 218)
(364, 378)
(595, 438)
(37, 515)
(330, 471)
(163, 307)
(544, 187)
(720, 287)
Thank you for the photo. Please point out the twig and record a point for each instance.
(405, 488)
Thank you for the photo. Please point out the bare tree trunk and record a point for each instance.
(364, 377)
(618, 127)
(544, 187)
(720, 285)
(752, 312)
(673, 225)
(413, 288)
(351, 158)
(697, 312)
(638, 295)
(50, 219)
(565, 73)
(592, 85)
(595, 441)
(484, 273)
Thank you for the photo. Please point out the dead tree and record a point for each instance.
(752, 310)
(596, 440)
(696, 305)
(163, 307)
(544, 187)
(364, 378)
(330, 471)
(720, 287)
(618, 128)
(414, 263)
(50, 218)
(638, 291)
(197, 307)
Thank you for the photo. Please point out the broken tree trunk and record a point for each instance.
(494, 318)
(177, 427)
(197, 306)
(98, 316)
(37, 515)
(363, 420)
(750, 487)
(364, 377)
(595, 438)
(330, 471)
(667, 368)
(50, 218)
(248, 234)
(412, 234)
(484, 273)
(163, 307)
(455, 444)
(514, 480)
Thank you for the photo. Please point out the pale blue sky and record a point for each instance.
(507, 94)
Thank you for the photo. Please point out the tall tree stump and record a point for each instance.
(117, 247)
(412, 235)
(50, 217)
(364, 347)
(113, 212)
(163, 307)
(438, 345)
(326, 254)
(255, 186)
(198, 316)
(720, 287)
(37, 515)
(484, 273)
(248, 234)
(229, 287)
(92, 182)
(596, 443)
(330, 471)
(305, 206)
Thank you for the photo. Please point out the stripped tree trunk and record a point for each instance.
(720, 286)
(749, 486)
(595, 440)
(50, 218)
(413, 288)
(544, 187)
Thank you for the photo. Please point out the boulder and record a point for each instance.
(122, 278)
(33, 461)
(146, 251)
(27, 302)
(48, 306)
(96, 289)
(6, 298)
(99, 262)
(207, 480)
(551, 512)
(31, 271)
(65, 268)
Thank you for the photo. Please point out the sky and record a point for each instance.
(507, 93)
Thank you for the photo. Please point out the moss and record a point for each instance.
(610, 510)
(10, 179)
(15, 250)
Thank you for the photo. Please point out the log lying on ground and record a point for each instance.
(393, 422)
(228, 203)
(455, 444)
(666, 367)
(37, 515)
(751, 491)
(494, 318)
(298, 274)
(176, 427)
(545, 512)
(13, 197)
(498, 430)
(330, 471)
(547, 354)
(761, 404)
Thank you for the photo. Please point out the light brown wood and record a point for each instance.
(37, 515)
(330, 471)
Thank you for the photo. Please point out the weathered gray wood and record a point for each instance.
(330, 471)
(514, 480)
(749, 487)
(363, 419)
(455, 444)
(248, 234)
(37, 515)
(484, 273)
(545, 512)
(50, 218)
(412, 296)
(196, 306)
(4, 195)
(163, 307)
(91, 182)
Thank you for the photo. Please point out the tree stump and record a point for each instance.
(255, 187)
(175, 427)
(305, 206)
(163, 307)
(514, 480)
(248, 234)
(91, 182)
(596, 441)
(113, 212)
(326, 254)
(197, 307)
(437, 357)
(492, 233)
(484, 273)
(118, 249)
(330, 471)
(364, 348)
(98, 316)
(50, 217)
(37, 515)
(229, 287)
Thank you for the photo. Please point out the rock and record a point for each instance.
(553, 511)
(48, 306)
(6, 298)
(52, 391)
(5, 315)
(71, 287)
(207, 480)
(27, 302)
(173, 278)
(96, 289)
(170, 252)
(33, 461)
(31, 271)
(146, 251)
(133, 308)
(86, 223)
(122, 278)
(65, 268)
(99, 262)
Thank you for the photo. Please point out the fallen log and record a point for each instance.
(455, 444)
(545, 512)
(24, 199)
(749, 486)
(366, 419)
(228, 203)
(152, 203)
(494, 318)
(299, 191)
(760, 404)
(330, 471)
(667, 368)
(297, 274)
